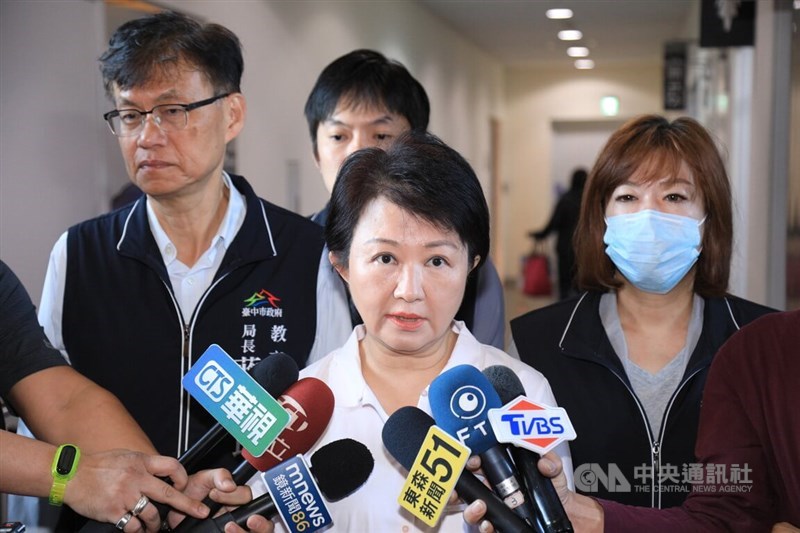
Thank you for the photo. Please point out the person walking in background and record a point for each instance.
(361, 100)
(628, 359)
(563, 222)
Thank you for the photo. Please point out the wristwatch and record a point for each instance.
(65, 464)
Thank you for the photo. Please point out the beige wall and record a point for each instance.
(287, 44)
(534, 99)
(60, 165)
(55, 173)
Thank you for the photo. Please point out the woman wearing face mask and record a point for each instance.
(628, 358)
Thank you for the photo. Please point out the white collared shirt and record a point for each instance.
(358, 415)
(189, 284)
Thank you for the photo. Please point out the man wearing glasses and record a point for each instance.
(136, 296)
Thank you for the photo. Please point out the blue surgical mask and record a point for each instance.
(653, 250)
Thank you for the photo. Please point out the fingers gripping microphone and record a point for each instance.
(274, 373)
(550, 514)
(339, 468)
(310, 402)
(404, 434)
(460, 401)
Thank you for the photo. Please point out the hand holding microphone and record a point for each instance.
(274, 373)
(339, 469)
(404, 434)
(550, 514)
(311, 403)
(460, 400)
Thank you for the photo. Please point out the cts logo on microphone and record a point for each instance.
(214, 381)
(530, 425)
(467, 402)
(236, 400)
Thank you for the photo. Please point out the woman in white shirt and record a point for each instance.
(406, 228)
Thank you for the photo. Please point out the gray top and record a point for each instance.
(653, 390)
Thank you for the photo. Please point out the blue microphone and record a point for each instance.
(460, 401)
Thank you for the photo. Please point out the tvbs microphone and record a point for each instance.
(310, 402)
(460, 401)
(550, 514)
(339, 468)
(274, 373)
(404, 434)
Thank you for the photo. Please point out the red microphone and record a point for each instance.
(310, 404)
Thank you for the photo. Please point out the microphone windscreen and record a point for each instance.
(505, 382)
(310, 404)
(341, 467)
(460, 400)
(404, 432)
(275, 373)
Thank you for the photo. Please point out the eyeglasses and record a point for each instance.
(168, 117)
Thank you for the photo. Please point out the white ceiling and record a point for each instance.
(517, 33)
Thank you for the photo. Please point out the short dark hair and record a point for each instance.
(367, 78)
(150, 46)
(658, 148)
(420, 174)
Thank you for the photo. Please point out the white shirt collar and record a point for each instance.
(348, 380)
(232, 221)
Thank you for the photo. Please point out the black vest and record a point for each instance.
(122, 327)
(567, 343)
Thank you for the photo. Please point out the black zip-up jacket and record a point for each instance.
(123, 329)
(615, 449)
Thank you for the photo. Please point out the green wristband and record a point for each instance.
(65, 464)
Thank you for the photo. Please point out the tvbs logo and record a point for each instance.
(525, 425)
(468, 403)
(214, 381)
(537, 427)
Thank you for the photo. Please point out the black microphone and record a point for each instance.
(403, 435)
(550, 514)
(460, 401)
(340, 468)
(310, 402)
(275, 373)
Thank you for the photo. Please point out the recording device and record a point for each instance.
(340, 468)
(460, 400)
(310, 402)
(550, 514)
(274, 373)
(403, 435)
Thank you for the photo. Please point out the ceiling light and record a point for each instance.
(577, 51)
(584, 64)
(559, 14)
(609, 106)
(570, 35)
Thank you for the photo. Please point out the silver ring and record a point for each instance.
(140, 505)
(122, 522)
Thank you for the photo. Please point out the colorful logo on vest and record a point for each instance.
(262, 298)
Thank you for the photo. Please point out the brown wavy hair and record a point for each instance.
(655, 148)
